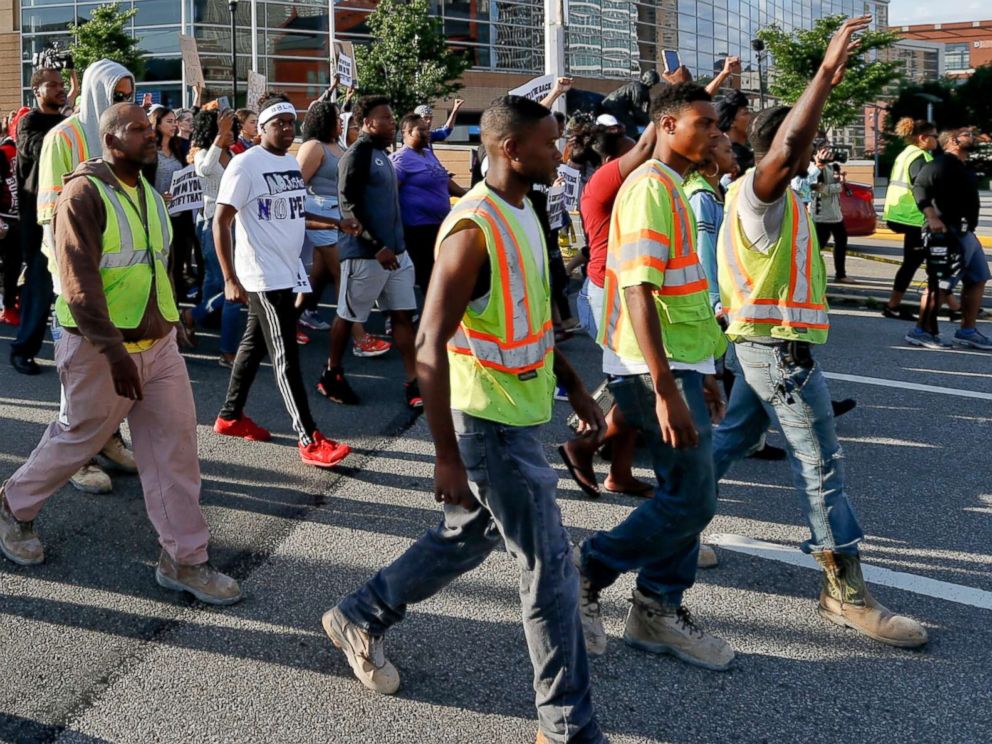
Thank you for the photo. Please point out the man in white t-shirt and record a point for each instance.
(263, 193)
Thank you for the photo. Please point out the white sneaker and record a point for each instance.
(116, 456)
(90, 479)
(658, 629)
(589, 610)
(365, 653)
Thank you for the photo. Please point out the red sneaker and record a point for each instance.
(10, 316)
(370, 346)
(301, 338)
(242, 427)
(323, 452)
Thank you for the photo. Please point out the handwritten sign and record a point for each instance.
(256, 89)
(535, 89)
(571, 177)
(344, 66)
(191, 60)
(186, 190)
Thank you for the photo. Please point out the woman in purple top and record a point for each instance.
(425, 190)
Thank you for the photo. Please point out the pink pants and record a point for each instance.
(163, 435)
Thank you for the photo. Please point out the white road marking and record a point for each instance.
(902, 385)
(873, 574)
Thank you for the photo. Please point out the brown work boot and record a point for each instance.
(116, 456)
(366, 653)
(707, 557)
(18, 540)
(845, 600)
(660, 629)
(203, 581)
(91, 479)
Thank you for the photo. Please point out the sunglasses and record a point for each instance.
(123, 97)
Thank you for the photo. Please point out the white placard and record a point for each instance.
(536, 89)
(256, 89)
(556, 206)
(344, 65)
(186, 190)
(571, 176)
(302, 284)
(191, 60)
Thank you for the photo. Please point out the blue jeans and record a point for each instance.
(515, 488)
(660, 538)
(213, 292)
(773, 388)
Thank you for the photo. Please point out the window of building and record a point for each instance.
(957, 57)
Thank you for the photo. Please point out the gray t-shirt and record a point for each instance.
(762, 221)
(167, 166)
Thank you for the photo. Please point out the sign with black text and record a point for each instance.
(186, 190)
(536, 89)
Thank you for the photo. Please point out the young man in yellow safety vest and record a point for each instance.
(773, 288)
(660, 339)
(118, 359)
(487, 367)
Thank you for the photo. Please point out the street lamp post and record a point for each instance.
(233, 5)
(759, 46)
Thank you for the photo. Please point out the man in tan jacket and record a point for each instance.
(117, 359)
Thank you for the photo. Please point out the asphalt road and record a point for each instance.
(93, 650)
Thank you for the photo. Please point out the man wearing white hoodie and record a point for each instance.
(67, 145)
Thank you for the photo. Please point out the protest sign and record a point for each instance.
(256, 89)
(344, 67)
(556, 206)
(191, 60)
(571, 178)
(186, 190)
(535, 89)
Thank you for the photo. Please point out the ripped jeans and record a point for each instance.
(515, 487)
(771, 386)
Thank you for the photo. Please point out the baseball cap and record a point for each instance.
(607, 120)
(423, 111)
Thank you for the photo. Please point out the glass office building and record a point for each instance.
(289, 42)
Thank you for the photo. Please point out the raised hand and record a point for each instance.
(842, 46)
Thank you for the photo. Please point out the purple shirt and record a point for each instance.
(423, 185)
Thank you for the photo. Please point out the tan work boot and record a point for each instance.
(203, 581)
(589, 610)
(18, 540)
(845, 600)
(659, 629)
(707, 557)
(116, 456)
(365, 653)
(90, 479)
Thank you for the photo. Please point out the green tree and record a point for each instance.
(106, 36)
(796, 57)
(976, 95)
(408, 60)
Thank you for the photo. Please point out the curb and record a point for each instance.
(883, 233)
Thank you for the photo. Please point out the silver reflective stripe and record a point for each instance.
(681, 277)
(634, 249)
(127, 255)
(490, 352)
(904, 184)
(778, 314)
(515, 279)
(612, 316)
(164, 222)
(801, 293)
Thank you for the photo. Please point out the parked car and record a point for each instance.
(857, 204)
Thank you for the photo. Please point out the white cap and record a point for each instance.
(423, 111)
(607, 120)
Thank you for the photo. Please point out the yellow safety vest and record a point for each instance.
(900, 205)
(500, 357)
(127, 266)
(63, 148)
(663, 255)
(779, 293)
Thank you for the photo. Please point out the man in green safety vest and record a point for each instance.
(487, 365)
(773, 287)
(118, 359)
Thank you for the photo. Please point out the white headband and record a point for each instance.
(275, 110)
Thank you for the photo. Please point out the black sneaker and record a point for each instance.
(843, 406)
(412, 391)
(768, 452)
(24, 365)
(333, 386)
(898, 313)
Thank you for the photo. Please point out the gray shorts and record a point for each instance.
(364, 282)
